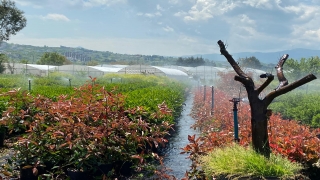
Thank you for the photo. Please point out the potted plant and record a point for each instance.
(2, 135)
(25, 159)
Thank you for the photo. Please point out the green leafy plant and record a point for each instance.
(18, 111)
(91, 127)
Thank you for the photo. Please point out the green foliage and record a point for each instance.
(24, 61)
(96, 123)
(299, 106)
(53, 58)
(296, 69)
(250, 62)
(237, 161)
(190, 61)
(11, 19)
(92, 63)
(146, 92)
(11, 81)
(88, 128)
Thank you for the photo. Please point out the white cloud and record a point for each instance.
(207, 9)
(68, 3)
(168, 29)
(305, 12)
(55, 17)
(91, 3)
(149, 15)
(180, 14)
(245, 19)
(159, 8)
(263, 4)
(313, 33)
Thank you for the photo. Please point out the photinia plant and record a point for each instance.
(287, 137)
(89, 128)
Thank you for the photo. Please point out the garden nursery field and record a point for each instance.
(101, 128)
(113, 127)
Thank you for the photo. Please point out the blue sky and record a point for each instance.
(171, 27)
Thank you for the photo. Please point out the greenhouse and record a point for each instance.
(33, 69)
(95, 71)
(202, 73)
(156, 70)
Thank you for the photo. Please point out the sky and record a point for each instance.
(171, 27)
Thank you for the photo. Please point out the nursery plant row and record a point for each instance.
(101, 129)
(287, 137)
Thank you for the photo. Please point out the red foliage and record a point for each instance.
(286, 137)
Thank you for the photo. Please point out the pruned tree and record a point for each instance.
(259, 107)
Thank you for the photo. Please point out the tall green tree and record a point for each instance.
(11, 19)
(53, 58)
(190, 61)
(297, 68)
(250, 62)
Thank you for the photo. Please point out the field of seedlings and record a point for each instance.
(61, 127)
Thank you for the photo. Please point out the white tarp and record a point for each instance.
(107, 69)
(41, 67)
(171, 72)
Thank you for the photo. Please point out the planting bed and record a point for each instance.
(91, 127)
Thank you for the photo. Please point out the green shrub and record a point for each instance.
(299, 106)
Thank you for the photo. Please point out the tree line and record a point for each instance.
(193, 62)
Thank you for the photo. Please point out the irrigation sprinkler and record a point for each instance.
(70, 83)
(235, 118)
(212, 99)
(112, 79)
(204, 93)
(29, 84)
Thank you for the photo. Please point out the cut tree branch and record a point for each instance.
(266, 83)
(282, 80)
(284, 89)
(230, 59)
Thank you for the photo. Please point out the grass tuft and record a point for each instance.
(238, 161)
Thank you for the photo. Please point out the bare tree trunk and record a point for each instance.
(259, 119)
(259, 124)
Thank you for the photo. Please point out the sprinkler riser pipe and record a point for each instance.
(29, 85)
(204, 93)
(235, 120)
(212, 98)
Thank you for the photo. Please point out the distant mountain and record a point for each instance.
(266, 57)
(80, 55)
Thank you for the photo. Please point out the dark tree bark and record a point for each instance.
(259, 118)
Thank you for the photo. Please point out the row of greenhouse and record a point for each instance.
(201, 72)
